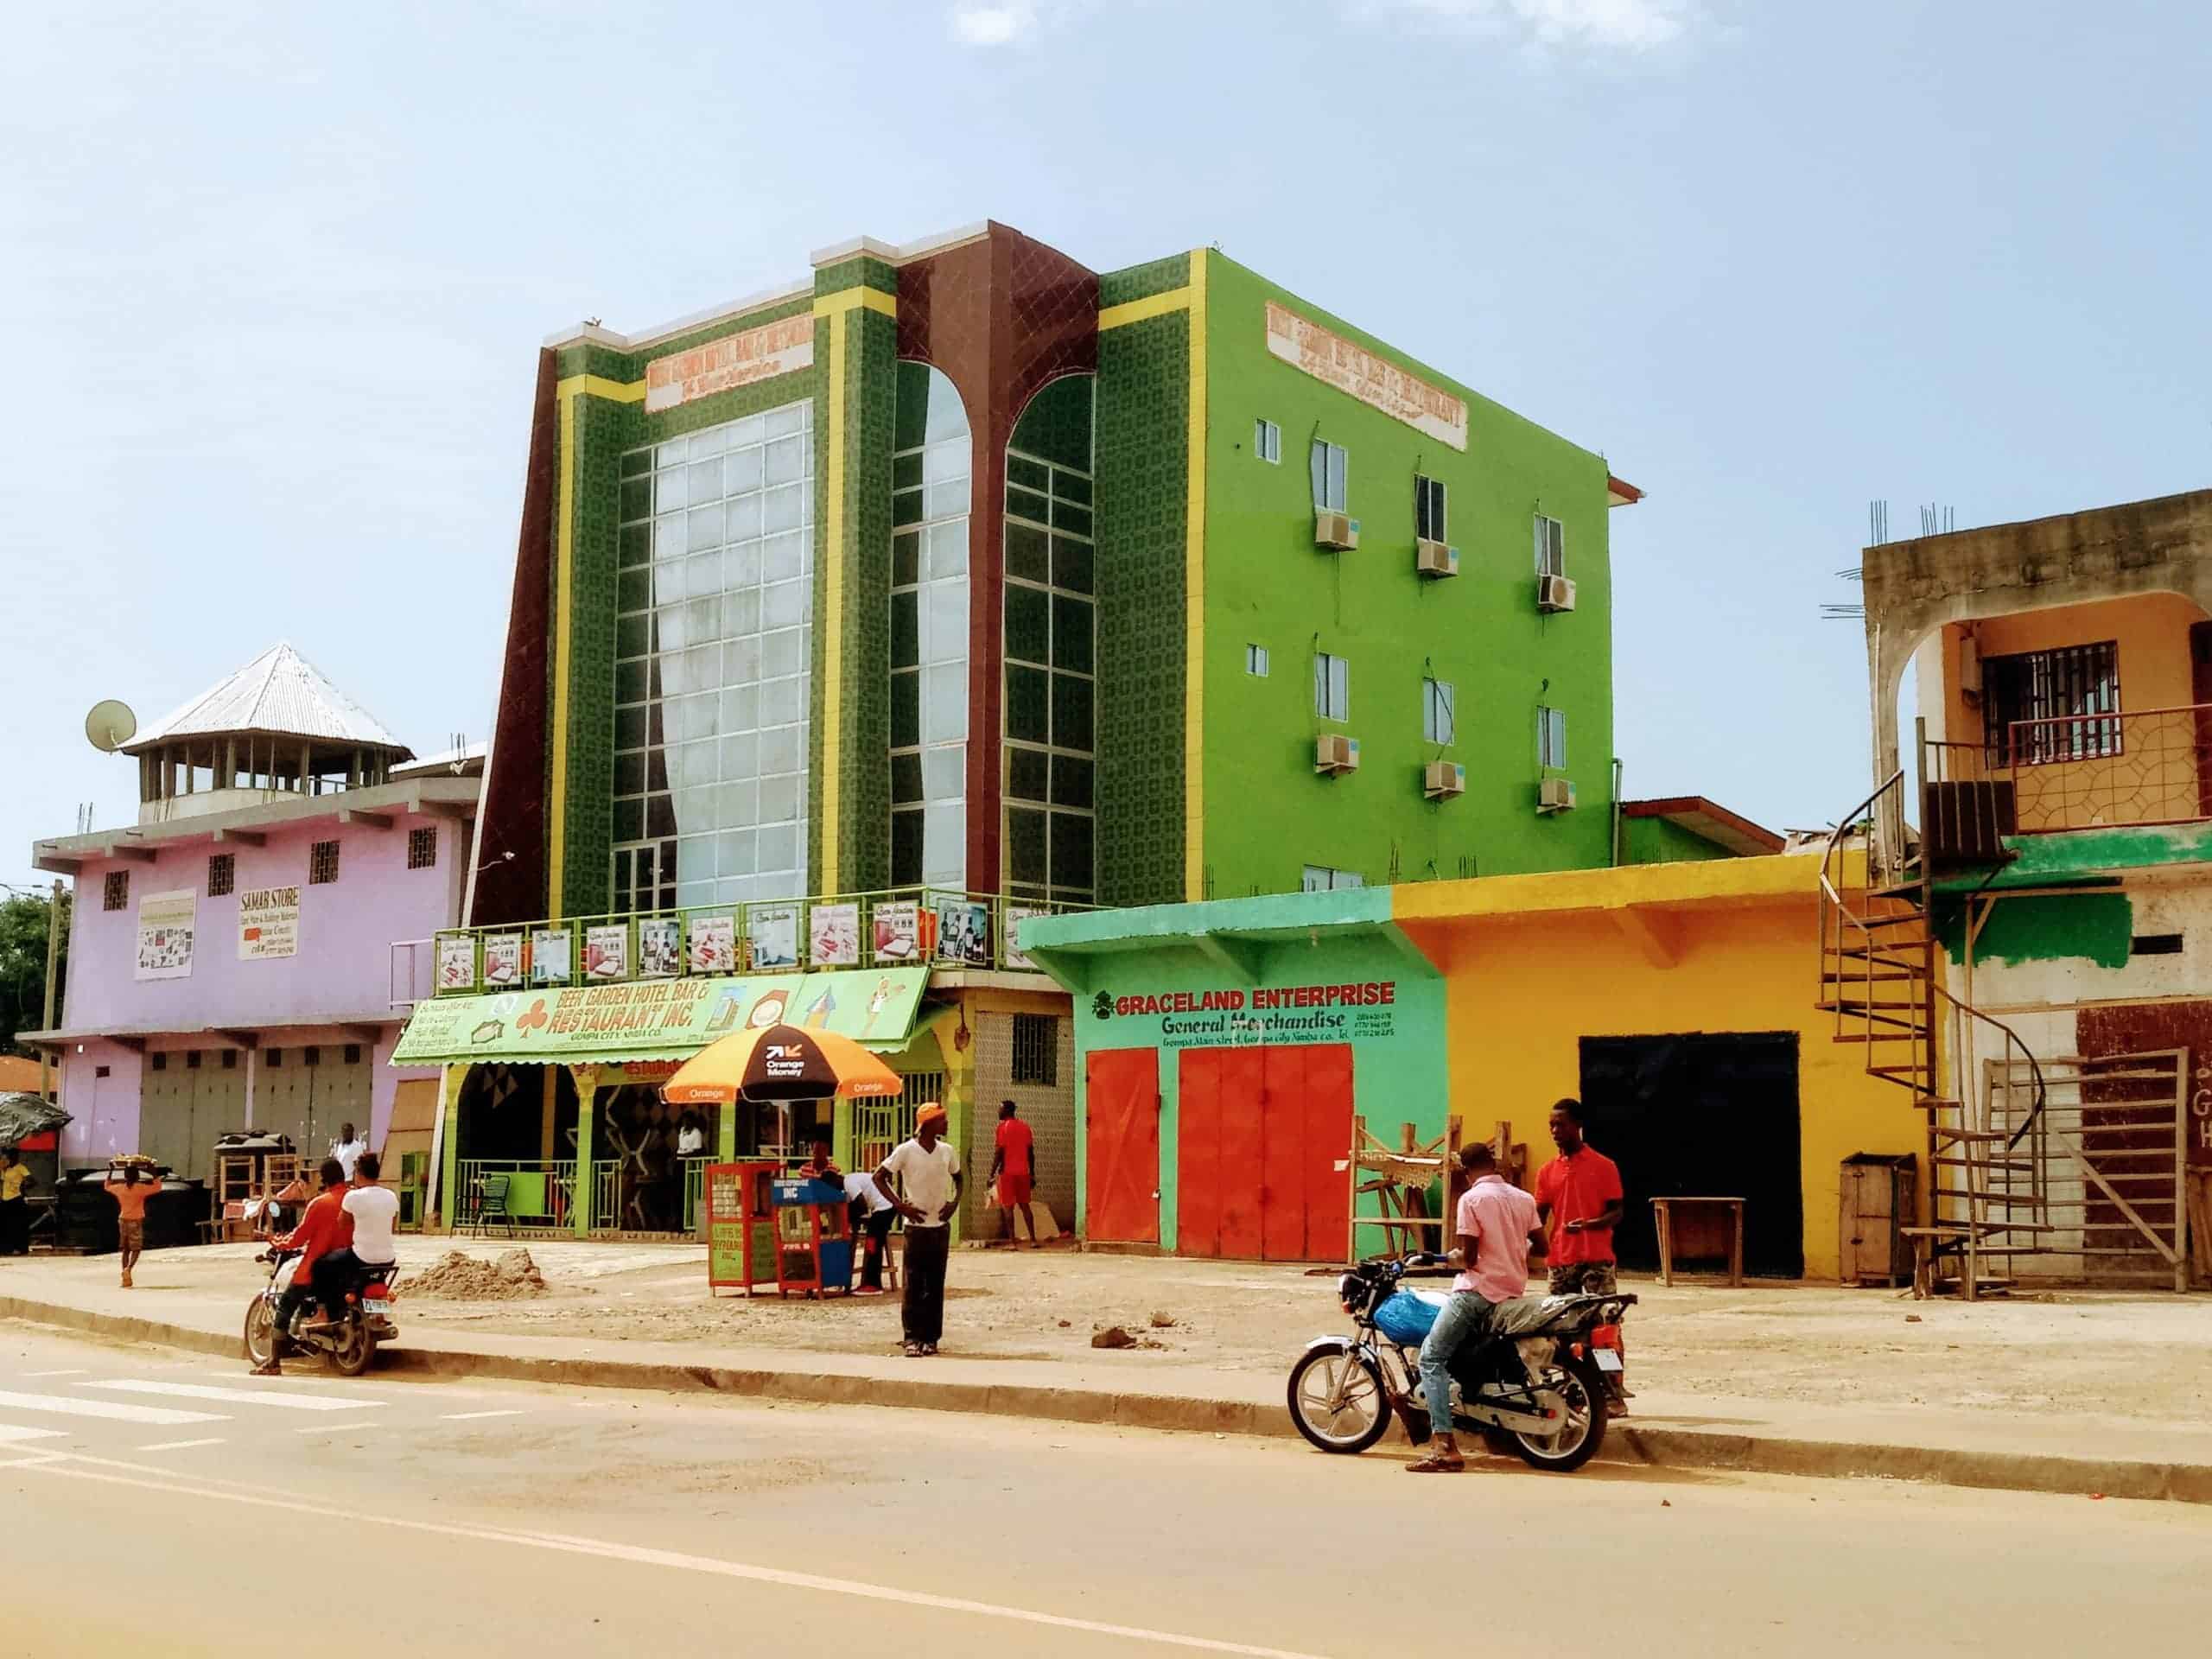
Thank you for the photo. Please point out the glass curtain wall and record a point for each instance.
(930, 469)
(1050, 648)
(713, 616)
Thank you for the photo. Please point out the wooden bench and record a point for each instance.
(1663, 1212)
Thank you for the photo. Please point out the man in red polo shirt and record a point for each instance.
(1579, 1193)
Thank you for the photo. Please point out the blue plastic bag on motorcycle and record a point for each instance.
(1405, 1318)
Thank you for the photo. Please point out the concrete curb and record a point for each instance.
(1628, 1442)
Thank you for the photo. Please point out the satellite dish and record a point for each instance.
(110, 725)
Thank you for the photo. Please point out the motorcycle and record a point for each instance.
(1537, 1382)
(350, 1345)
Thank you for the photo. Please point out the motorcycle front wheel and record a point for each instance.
(1338, 1400)
(1567, 1448)
(260, 1331)
(351, 1354)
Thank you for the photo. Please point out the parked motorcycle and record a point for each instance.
(364, 1322)
(1536, 1380)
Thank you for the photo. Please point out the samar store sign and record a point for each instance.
(1233, 1017)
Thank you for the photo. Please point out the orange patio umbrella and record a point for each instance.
(779, 1062)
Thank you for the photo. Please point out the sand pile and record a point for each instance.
(458, 1277)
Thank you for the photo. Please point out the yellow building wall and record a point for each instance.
(1524, 989)
(2155, 777)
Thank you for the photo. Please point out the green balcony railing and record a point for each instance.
(903, 927)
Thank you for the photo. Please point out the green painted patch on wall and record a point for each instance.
(2096, 925)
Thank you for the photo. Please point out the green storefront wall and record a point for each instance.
(1288, 944)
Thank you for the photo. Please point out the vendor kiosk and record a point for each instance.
(814, 1237)
(741, 1252)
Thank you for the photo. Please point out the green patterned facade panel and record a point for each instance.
(1142, 282)
(861, 270)
(1143, 482)
(864, 738)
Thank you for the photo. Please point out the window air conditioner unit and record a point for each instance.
(1434, 559)
(1441, 779)
(1554, 593)
(1336, 531)
(1334, 753)
(1555, 795)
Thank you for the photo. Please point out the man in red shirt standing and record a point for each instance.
(1013, 1169)
(1579, 1193)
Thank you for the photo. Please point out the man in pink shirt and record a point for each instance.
(1496, 1223)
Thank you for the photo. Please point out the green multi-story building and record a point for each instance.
(960, 565)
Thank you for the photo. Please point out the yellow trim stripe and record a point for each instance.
(620, 391)
(1194, 594)
(1157, 305)
(853, 299)
(833, 603)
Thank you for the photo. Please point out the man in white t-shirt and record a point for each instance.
(375, 1211)
(871, 1215)
(347, 1149)
(929, 1170)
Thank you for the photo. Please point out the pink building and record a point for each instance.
(231, 961)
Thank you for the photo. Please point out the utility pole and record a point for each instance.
(53, 955)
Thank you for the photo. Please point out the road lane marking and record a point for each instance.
(177, 1445)
(113, 1410)
(74, 1373)
(61, 1465)
(278, 1399)
(9, 1433)
(471, 1417)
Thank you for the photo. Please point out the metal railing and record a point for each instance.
(540, 1192)
(2078, 772)
(900, 927)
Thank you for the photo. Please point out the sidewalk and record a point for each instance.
(2088, 1394)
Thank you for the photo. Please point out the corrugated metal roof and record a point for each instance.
(279, 691)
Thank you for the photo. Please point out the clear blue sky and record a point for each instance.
(274, 278)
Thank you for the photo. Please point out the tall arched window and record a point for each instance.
(1050, 648)
(929, 631)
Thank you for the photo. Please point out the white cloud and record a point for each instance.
(993, 25)
(1614, 25)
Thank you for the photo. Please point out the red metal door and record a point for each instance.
(1259, 1134)
(1122, 1145)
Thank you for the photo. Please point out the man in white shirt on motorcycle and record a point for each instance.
(375, 1211)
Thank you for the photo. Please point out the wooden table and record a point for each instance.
(1663, 1212)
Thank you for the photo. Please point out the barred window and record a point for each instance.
(422, 848)
(115, 890)
(322, 863)
(2040, 706)
(222, 874)
(1037, 1049)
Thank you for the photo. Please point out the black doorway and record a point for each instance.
(1703, 1115)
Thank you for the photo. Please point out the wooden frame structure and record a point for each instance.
(1400, 1178)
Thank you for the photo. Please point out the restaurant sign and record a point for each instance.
(1358, 372)
(657, 1019)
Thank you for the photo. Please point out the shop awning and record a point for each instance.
(657, 1019)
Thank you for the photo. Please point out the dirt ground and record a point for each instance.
(2121, 1355)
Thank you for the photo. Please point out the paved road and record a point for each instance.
(151, 1502)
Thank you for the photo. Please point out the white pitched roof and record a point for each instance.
(279, 691)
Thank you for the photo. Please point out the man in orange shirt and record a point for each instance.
(1013, 1169)
(1579, 1194)
(131, 1194)
(325, 1228)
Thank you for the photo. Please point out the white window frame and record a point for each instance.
(1440, 721)
(1331, 687)
(1551, 739)
(1323, 877)
(1330, 467)
(1431, 526)
(1551, 546)
(1267, 441)
(1256, 661)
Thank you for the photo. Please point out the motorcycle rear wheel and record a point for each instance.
(1582, 1386)
(1358, 1418)
(351, 1354)
(260, 1332)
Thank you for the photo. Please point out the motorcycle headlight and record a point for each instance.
(1351, 1293)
